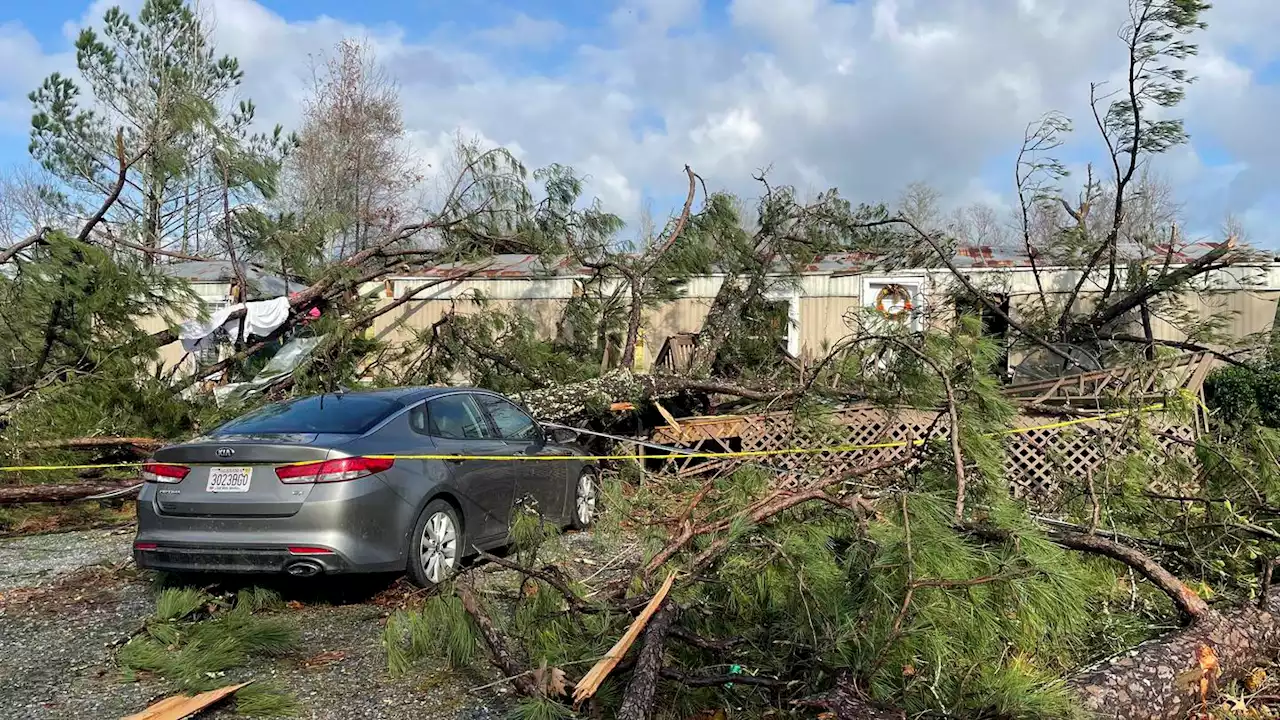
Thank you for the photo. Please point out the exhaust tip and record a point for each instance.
(304, 568)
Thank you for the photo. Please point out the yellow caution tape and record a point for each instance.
(98, 466)
(660, 456)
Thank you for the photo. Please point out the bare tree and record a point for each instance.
(28, 202)
(353, 167)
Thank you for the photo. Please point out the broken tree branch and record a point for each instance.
(1161, 679)
(13, 250)
(973, 290)
(499, 655)
(141, 444)
(638, 277)
(1169, 281)
(637, 703)
(1191, 604)
(121, 176)
(590, 682)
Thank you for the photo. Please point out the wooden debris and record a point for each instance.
(590, 682)
(666, 415)
(178, 707)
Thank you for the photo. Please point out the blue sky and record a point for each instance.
(867, 96)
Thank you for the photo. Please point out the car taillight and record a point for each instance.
(332, 470)
(308, 550)
(163, 472)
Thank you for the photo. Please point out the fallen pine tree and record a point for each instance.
(61, 492)
(913, 585)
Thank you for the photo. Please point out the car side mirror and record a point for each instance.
(561, 435)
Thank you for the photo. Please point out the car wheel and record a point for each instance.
(586, 497)
(435, 548)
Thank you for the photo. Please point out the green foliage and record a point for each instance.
(157, 80)
(1154, 34)
(440, 629)
(497, 349)
(70, 306)
(77, 355)
(177, 603)
(195, 638)
(1245, 395)
(266, 700)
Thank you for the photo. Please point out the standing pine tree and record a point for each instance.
(158, 81)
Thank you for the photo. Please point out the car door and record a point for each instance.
(458, 426)
(546, 481)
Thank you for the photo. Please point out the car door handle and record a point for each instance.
(455, 459)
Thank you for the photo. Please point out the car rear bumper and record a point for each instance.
(232, 559)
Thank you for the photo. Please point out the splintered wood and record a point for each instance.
(178, 707)
(590, 682)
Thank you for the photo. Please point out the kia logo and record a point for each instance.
(226, 452)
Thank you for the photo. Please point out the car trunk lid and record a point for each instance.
(234, 475)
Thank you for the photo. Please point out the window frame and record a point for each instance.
(425, 408)
(541, 434)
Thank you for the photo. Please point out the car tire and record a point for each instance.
(586, 500)
(435, 547)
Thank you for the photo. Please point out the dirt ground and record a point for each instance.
(68, 600)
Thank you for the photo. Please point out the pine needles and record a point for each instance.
(439, 630)
(195, 639)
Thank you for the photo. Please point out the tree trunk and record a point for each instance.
(594, 396)
(635, 314)
(1161, 679)
(151, 224)
(1149, 333)
(136, 444)
(56, 493)
(724, 317)
(637, 704)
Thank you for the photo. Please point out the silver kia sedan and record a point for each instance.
(328, 484)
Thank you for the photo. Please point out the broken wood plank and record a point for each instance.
(178, 707)
(666, 415)
(590, 682)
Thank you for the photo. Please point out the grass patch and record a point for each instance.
(194, 638)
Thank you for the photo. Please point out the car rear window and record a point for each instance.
(348, 414)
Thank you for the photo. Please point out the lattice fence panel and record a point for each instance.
(1040, 464)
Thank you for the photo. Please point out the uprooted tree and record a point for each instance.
(912, 585)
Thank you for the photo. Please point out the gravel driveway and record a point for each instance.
(39, 559)
(68, 600)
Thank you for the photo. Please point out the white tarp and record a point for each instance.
(261, 319)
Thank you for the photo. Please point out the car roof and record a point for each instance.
(409, 395)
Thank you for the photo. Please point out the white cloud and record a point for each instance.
(867, 96)
(524, 31)
(25, 67)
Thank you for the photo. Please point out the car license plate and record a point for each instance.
(228, 479)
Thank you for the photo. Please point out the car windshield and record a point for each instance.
(346, 414)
